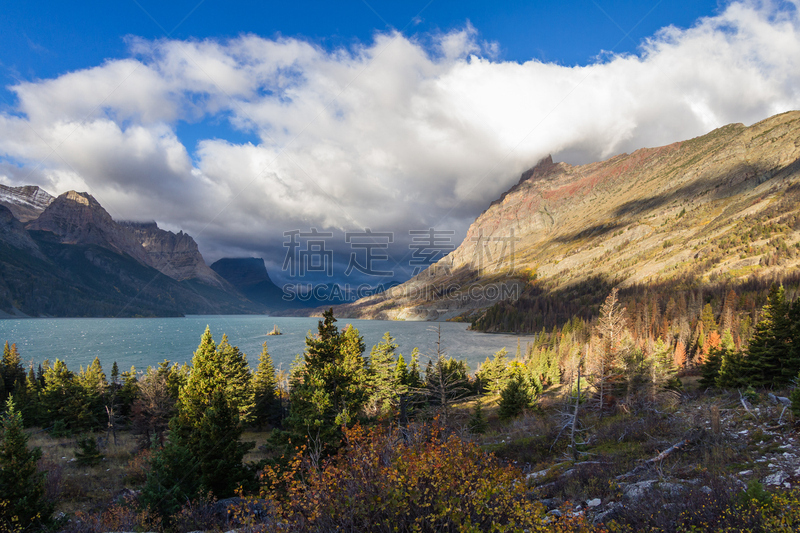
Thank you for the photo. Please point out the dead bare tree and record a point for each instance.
(445, 380)
(605, 363)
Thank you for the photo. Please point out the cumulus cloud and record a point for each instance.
(392, 135)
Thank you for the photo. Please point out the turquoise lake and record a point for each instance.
(143, 342)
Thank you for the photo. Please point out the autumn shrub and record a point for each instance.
(197, 514)
(139, 467)
(381, 482)
(120, 516)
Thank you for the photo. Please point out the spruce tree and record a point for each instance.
(414, 378)
(401, 371)
(215, 367)
(770, 345)
(515, 398)
(385, 391)
(128, 391)
(204, 453)
(733, 370)
(13, 370)
(114, 375)
(478, 424)
(328, 385)
(95, 389)
(493, 373)
(22, 500)
(792, 366)
(265, 390)
(62, 399)
(710, 368)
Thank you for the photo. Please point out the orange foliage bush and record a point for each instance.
(386, 480)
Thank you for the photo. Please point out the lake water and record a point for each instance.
(141, 342)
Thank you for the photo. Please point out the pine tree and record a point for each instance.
(770, 346)
(22, 500)
(493, 373)
(128, 391)
(328, 385)
(13, 370)
(478, 424)
(217, 367)
(515, 398)
(414, 378)
(95, 388)
(62, 399)
(265, 390)
(204, 453)
(384, 387)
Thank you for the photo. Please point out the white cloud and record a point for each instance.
(390, 135)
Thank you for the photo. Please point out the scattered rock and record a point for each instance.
(537, 475)
(554, 512)
(551, 503)
(611, 512)
(634, 491)
(775, 479)
(594, 503)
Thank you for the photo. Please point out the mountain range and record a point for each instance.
(66, 256)
(722, 209)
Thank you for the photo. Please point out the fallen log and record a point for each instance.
(658, 458)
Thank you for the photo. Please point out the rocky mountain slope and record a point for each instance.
(77, 218)
(175, 255)
(73, 259)
(719, 208)
(26, 203)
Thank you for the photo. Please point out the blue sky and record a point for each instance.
(239, 122)
(43, 39)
